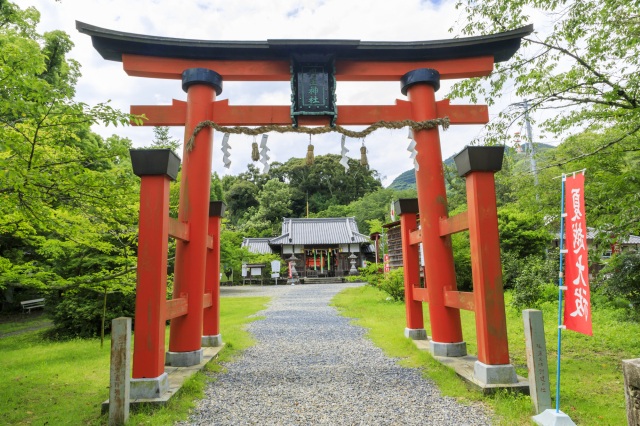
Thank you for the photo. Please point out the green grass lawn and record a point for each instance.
(60, 383)
(592, 384)
(18, 322)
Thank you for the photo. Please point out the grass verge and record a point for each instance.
(592, 385)
(21, 322)
(60, 383)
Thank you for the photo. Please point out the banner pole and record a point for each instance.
(560, 289)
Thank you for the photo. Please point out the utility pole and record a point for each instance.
(527, 121)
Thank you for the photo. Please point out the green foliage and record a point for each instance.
(371, 274)
(162, 139)
(274, 202)
(78, 313)
(217, 193)
(324, 183)
(462, 260)
(521, 232)
(621, 279)
(240, 196)
(324, 187)
(393, 284)
(336, 210)
(534, 278)
(583, 62)
(612, 182)
(372, 209)
(68, 198)
(231, 252)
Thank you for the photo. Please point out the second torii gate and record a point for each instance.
(313, 67)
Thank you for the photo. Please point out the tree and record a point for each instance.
(240, 197)
(67, 197)
(622, 279)
(274, 204)
(522, 233)
(161, 139)
(581, 65)
(612, 183)
(324, 183)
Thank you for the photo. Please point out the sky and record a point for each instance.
(371, 20)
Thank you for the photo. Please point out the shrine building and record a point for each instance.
(321, 245)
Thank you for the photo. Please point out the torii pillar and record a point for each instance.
(185, 339)
(420, 85)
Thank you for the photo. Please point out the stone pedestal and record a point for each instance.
(495, 374)
(212, 341)
(448, 349)
(149, 388)
(415, 333)
(184, 359)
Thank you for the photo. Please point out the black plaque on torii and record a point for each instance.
(313, 87)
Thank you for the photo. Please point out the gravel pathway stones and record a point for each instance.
(311, 366)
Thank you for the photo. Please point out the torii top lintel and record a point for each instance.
(164, 57)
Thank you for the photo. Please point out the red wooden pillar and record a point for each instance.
(446, 330)
(478, 164)
(211, 326)
(201, 86)
(156, 168)
(408, 209)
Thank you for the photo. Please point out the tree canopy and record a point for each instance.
(580, 65)
(67, 197)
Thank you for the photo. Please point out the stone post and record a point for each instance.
(539, 386)
(631, 372)
(119, 371)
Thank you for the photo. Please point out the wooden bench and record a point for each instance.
(28, 305)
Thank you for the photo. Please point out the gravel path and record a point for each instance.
(310, 366)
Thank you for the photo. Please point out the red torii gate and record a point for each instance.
(203, 66)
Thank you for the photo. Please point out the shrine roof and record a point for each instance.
(113, 44)
(319, 231)
(257, 245)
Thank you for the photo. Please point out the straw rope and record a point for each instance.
(254, 131)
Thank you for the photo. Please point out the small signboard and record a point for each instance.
(275, 269)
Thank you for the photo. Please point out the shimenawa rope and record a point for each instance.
(254, 131)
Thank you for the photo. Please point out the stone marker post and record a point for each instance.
(119, 371)
(631, 371)
(539, 388)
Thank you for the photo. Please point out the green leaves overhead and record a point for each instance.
(67, 197)
(581, 64)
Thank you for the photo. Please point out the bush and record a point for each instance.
(531, 284)
(371, 274)
(393, 284)
(78, 313)
(621, 279)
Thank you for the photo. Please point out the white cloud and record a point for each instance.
(374, 20)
